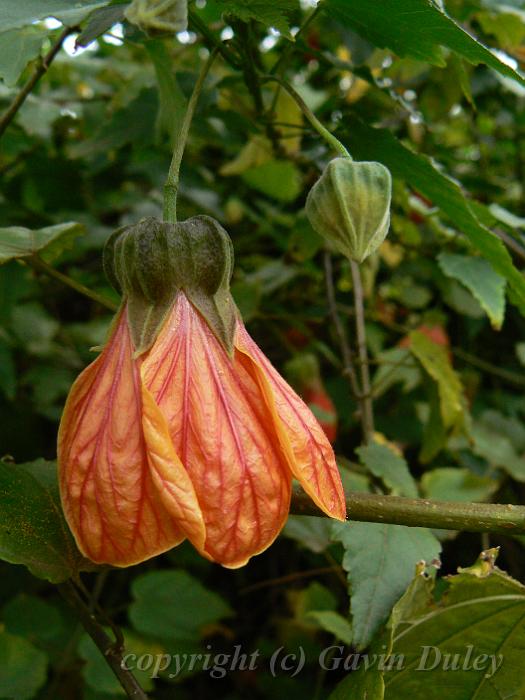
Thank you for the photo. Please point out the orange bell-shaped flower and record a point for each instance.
(189, 438)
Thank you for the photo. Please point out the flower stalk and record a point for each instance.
(171, 188)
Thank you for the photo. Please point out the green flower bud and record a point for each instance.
(350, 206)
(149, 263)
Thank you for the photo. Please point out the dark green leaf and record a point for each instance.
(33, 531)
(416, 28)
(174, 605)
(369, 143)
(22, 669)
(380, 561)
(99, 22)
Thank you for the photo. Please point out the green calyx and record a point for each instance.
(151, 262)
(350, 206)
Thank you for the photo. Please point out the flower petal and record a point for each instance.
(221, 429)
(169, 475)
(108, 495)
(310, 455)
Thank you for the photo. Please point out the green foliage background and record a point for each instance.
(398, 82)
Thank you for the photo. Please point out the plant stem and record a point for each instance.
(211, 41)
(367, 411)
(417, 512)
(111, 652)
(344, 346)
(40, 265)
(171, 187)
(40, 70)
(318, 126)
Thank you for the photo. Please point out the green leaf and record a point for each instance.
(479, 277)
(17, 48)
(272, 14)
(174, 605)
(332, 622)
(477, 625)
(99, 22)
(24, 12)
(33, 531)
(33, 618)
(312, 532)
(98, 674)
(456, 484)
(384, 463)
(279, 179)
(7, 372)
(434, 359)
(418, 171)
(380, 561)
(497, 449)
(172, 102)
(48, 242)
(23, 669)
(416, 28)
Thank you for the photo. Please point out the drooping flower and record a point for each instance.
(182, 428)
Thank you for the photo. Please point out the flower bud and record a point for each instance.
(350, 206)
(150, 262)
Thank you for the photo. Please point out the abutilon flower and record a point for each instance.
(182, 428)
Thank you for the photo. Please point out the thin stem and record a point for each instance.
(40, 265)
(40, 70)
(111, 651)
(211, 41)
(171, 187)
(318, 126)
(278, 67)
(504, 519)
(344, 346)
(367, 412)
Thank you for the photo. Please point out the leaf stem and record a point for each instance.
(41, 68)
(344, 346)
(318, 126)
(504, 519)
(367, 411)
(171, 187)
(111, 651)
(38, 264)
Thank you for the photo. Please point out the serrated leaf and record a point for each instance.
(17, 48)
(279, 179)
(24, 12)
(435, 360)
(470, 641)
(174, 605)
(49, 242)
(480, 278)
(380, 561)
(390, 467)
(23, 669)
(416, 28)
(33, 531)
(272, 14)
(370, 143)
